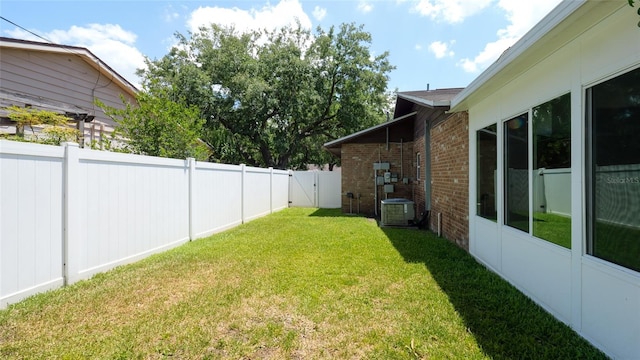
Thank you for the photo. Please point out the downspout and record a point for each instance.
(387, 132)
(401, 160)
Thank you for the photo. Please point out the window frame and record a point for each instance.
(590, 170)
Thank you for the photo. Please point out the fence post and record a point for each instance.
(191, 162)
(271, 190)
(242, 187)
(72, 237)
(290, 194)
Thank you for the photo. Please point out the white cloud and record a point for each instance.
(365, 6)
(285, 13)
(111, 43)
(418, 47)
(319, 13)
(441, 49)
(522, 16)
(170, 14)
(450, 11)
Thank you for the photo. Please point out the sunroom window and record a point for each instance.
(486, 165)
(551, 178)
(537, 171)
(516, 172)
(613, 170)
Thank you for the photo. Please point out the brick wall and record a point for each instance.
(450, 178)
(419, 147)
(449, 154)
(358, 178)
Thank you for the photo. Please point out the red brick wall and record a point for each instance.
(450, 178)
(418, 147)
(358, 178)
(449, 154)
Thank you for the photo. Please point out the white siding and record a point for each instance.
(600, 300)
(62, 78)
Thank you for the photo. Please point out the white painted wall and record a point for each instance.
(94, 210)
(600, 300)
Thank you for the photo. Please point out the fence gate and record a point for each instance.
(315, 189)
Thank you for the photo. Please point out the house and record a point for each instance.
(554, 169)
(420, 156)
(59, 78)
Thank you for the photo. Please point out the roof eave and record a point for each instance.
(84, 53)
(368, 130)
(429, 103)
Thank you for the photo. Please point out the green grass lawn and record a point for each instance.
(298, 284)
(618, 243)
(552, 227)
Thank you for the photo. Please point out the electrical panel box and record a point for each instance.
(379, 180)
(381, 166)
(388, 188)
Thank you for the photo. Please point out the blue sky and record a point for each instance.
(443, 43)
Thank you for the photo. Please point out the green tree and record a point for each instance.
(272, 98)
(159, 126)
(631, 3)
(54, 125)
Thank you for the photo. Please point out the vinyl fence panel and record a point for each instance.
(129, 207)
(31, 218)
(68, 213)
(280, 190)
(217, 190)
(257, 192)
(303, 189)
(329, 189)
(316, 189)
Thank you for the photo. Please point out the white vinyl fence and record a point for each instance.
(68, 213)
(320, 189)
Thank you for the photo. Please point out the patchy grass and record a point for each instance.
(299, 284)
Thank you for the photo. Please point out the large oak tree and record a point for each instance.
(272, 98)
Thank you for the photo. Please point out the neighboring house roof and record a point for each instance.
(431, 98)
(437, 100)
(83, 53)
(368, 135)
(402, 123)
(60, 78)
(565, 22)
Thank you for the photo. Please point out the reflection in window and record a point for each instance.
(551, 178)
(516, 150)
(487, 162)
(614, 170)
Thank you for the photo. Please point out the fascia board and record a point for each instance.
(368, 130)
